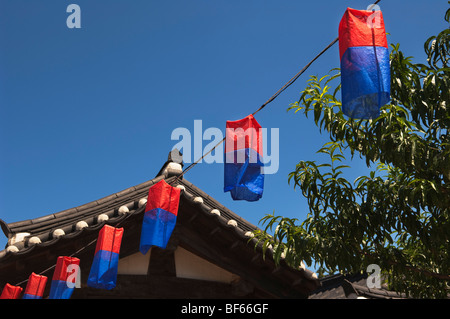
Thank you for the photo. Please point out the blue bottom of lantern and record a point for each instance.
(243, 175)
(103, 274)
(60, 290)
(30, 296)
(365, 78)
(157, 228)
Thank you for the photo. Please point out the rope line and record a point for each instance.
(271, 99)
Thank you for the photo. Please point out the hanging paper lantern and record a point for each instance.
(35, 287)
(11, 292)
(64, 277)
(103, 272)
(160, 216)
(365, 68)
(244, 177)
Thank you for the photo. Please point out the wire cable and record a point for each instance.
(271, 99)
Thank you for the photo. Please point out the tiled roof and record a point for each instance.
(48, 229)
(25, 236)
(341, 286)
(362, 291)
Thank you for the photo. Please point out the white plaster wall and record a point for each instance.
(192, 266)
(136, 264)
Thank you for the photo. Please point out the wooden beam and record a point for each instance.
(194, 216)
(162, 263)
(217, 230)
(238, 262)
(133, 286)
(277, 270)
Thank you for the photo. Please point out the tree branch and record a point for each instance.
(415, 269)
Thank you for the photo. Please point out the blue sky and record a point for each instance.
(88, 112)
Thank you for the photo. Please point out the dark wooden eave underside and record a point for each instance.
(207, 235)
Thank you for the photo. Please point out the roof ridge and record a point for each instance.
(171, 168)
(26, 233)
(77, 211)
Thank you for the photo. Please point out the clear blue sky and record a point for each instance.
(88, 112)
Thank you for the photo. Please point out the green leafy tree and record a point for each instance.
(398, 217)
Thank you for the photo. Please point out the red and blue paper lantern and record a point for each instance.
(160, 216)
(35, 287)
(64, 278)
(103, 274)
(365, 68)
(243, 175)
(11, 292)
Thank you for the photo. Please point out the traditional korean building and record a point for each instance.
(346, 286)
(211, 253)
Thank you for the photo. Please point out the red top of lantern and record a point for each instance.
(109, 239)
(361, 28)
(11, 292)
(162, 195)
(242, 134)
(36, 285)
(61, 271)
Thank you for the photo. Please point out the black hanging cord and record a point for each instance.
(283, 88)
